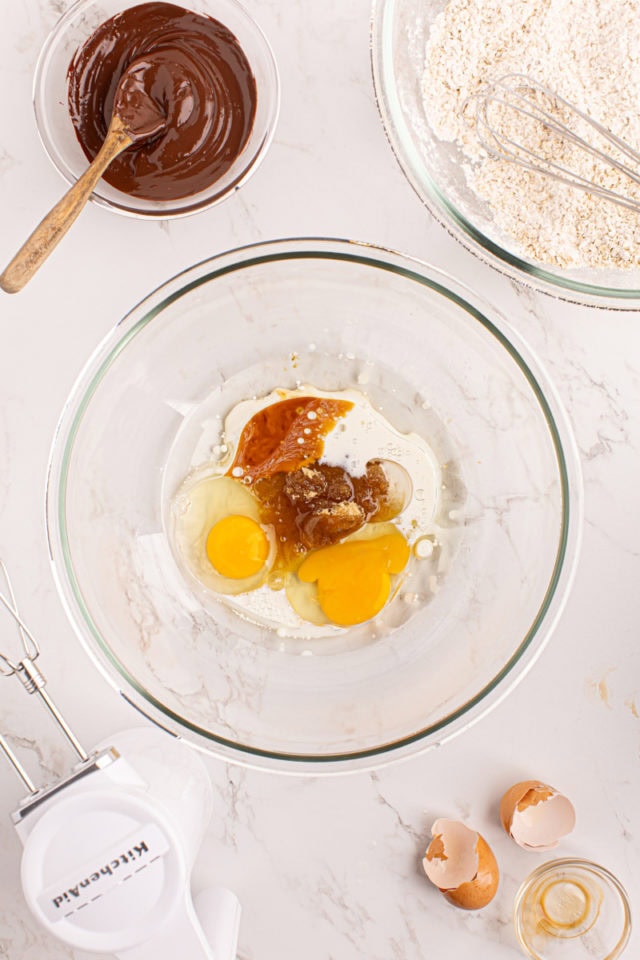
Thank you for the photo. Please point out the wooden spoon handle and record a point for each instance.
(53, 227)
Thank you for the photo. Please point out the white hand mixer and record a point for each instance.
(109, 849)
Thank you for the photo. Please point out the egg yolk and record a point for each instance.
(354, 578)
(237, 547)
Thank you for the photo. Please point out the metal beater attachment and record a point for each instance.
(109, 849)
(27, 672)
(521, 121)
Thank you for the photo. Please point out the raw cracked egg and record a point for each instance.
(219, 535)
(461, 865)
(536, 815)
(351, 581)
(315, 502)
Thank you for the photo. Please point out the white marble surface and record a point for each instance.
(327, 869)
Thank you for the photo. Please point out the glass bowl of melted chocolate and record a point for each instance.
(313, 506)
(207, 71)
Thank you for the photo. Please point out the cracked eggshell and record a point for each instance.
(461, 864)
(535, 815)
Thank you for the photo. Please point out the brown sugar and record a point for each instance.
(309, 504)
(319, 505)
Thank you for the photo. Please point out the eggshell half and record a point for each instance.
(461, 864)
(536, 815)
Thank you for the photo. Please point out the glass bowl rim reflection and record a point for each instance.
(248, 160)
(550, 866)
(243, 258)
(441, 207)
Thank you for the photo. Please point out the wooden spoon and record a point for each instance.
(135, 118)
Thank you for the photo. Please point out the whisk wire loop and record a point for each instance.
(516, 95)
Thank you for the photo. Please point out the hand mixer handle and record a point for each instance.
(207, 932)
(218, 910)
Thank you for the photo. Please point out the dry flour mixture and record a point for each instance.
(588, 51)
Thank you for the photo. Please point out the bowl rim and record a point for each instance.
(569, 863)
(128, 206)
(369, 255)
(445, 212)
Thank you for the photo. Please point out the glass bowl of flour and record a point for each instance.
(430, 57)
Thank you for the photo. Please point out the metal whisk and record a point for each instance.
(503, 105)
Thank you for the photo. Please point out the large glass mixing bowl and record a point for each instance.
(436, 169)
(441, 363)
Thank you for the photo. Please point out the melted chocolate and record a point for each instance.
(183, 67)
(141, 116)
